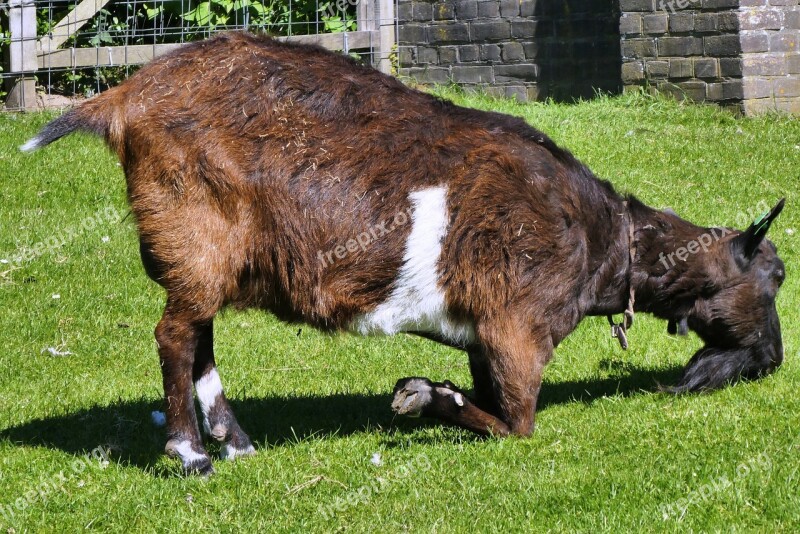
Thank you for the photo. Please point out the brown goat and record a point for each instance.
(285, 177)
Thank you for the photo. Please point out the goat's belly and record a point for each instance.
(417, 303)
(414, 313)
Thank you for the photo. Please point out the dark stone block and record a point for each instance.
(412, 34)
(722, 45)
(404, 12)
(467, 53)
(525, 29)
(657, 69)
(512, 52)
(522, 71)
(732, 90)
(426, 55)
(527, 8)
(728, 22)
(444, 12)
(706, 67)
(717, 4)
(654, 23)
(714, 92)
(705, 22)
(693, 90)
(489, 9)
(472, 74)
(630, 24)
(518, 92)
(448, 55)
(490, 31)
(680, 68)
(430, 75)
(632, 72)
(490, 52)
(457, 32)
(406, 56)
(466, 9)
(509, 8)
(680, 46)
(636, 5)
(638, 48)
(531, 49)
(730, 67)
(681, 22)
(421, 12)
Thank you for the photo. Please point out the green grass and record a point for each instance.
(608, 454)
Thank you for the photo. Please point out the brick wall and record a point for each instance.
(739, 53)
(770, 41)
(689, 48)
(528, 49)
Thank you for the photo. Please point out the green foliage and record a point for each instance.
(146, 23)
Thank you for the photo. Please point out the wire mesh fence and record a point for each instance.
(59, 50)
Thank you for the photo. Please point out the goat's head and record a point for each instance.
(733, 310)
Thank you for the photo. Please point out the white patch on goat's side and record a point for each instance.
(31, 145)
(417, 302)
(229, 452)
(208, 388)
(187, 453)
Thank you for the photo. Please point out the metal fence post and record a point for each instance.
(21, 58)
(386, 27)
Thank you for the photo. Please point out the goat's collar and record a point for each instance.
(620, 330)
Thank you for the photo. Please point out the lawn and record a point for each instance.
(79, 373)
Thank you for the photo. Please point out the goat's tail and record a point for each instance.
(100, 115)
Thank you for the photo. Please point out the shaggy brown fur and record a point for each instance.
(246, 159)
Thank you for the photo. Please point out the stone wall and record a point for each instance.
(739, 53)
(743, 54)
(770, 41)
(527, 49)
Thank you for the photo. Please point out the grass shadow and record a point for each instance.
(282, 421)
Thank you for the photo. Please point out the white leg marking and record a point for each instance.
(187, 454)
(417, 303)
(229, 452)
(208, 388)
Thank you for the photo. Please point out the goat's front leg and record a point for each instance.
(507, 373)
(218, 419)
(417, 396)
(178, 337)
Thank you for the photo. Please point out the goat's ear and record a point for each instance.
(746, 243)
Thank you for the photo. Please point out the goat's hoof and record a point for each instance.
(419, 396)
(194, 463)
(412, 396)
(201, 466)
(229, 451)
(220, 432)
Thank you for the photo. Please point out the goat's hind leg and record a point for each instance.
(177, 335)
(219, 421)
